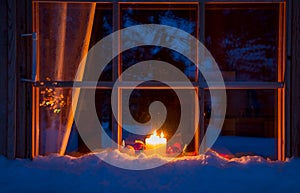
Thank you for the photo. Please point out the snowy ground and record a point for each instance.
(210, 173)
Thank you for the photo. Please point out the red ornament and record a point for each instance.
(139, 145)
(175, 148)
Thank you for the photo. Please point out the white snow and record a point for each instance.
(203, 173)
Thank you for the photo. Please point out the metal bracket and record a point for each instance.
(34, 54)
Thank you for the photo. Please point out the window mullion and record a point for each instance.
(116, 128)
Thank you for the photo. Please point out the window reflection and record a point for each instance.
(243, 38)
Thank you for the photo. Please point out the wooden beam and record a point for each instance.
(280, 78)
(21, 61)
(35, 91)
(3, 79)
(202, 140)
(23, 95)
(288, 104)
(295, 78)
(116, 68)
(234, 85)
(11, 75)
(28, 92)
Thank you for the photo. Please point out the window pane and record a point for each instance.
(250, 124)
(139, 103)
(144, 53)
(53, 117)
(66, 31)
(243, 38)
(182, 16)
(104, 111)
(54, 112)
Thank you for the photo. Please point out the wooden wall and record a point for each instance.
(3, 77)
(15, 128)
(294, 75)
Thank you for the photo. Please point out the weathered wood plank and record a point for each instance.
(28, 92)
(3, 78)
(295, 78)
(21, 87)
(3, 29)
(3, 100)
(3, 10)
(116, 130)
(288, 104)
(11, 76)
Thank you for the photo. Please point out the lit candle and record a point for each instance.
(156, 144)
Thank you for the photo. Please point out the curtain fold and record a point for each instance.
(64, 30)
(80, 73)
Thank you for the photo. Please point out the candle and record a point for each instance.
(156, 144)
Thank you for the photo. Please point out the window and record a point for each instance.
(246, 39)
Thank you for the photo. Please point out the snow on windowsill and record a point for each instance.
(202, 173)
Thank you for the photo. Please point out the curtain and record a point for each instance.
(64, 31)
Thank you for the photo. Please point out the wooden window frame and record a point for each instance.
(235, 85)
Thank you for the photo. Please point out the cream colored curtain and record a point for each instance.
(64, 31)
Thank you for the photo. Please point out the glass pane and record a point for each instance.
(182, 16)
(139, 102)
(250, 124)
(243, 38)
(66, 31)
(104, 112)
(54, 116)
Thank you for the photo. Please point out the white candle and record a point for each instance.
(156, 144)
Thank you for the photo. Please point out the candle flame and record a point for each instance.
(162, 135)
(156, 139)
(156, 144)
